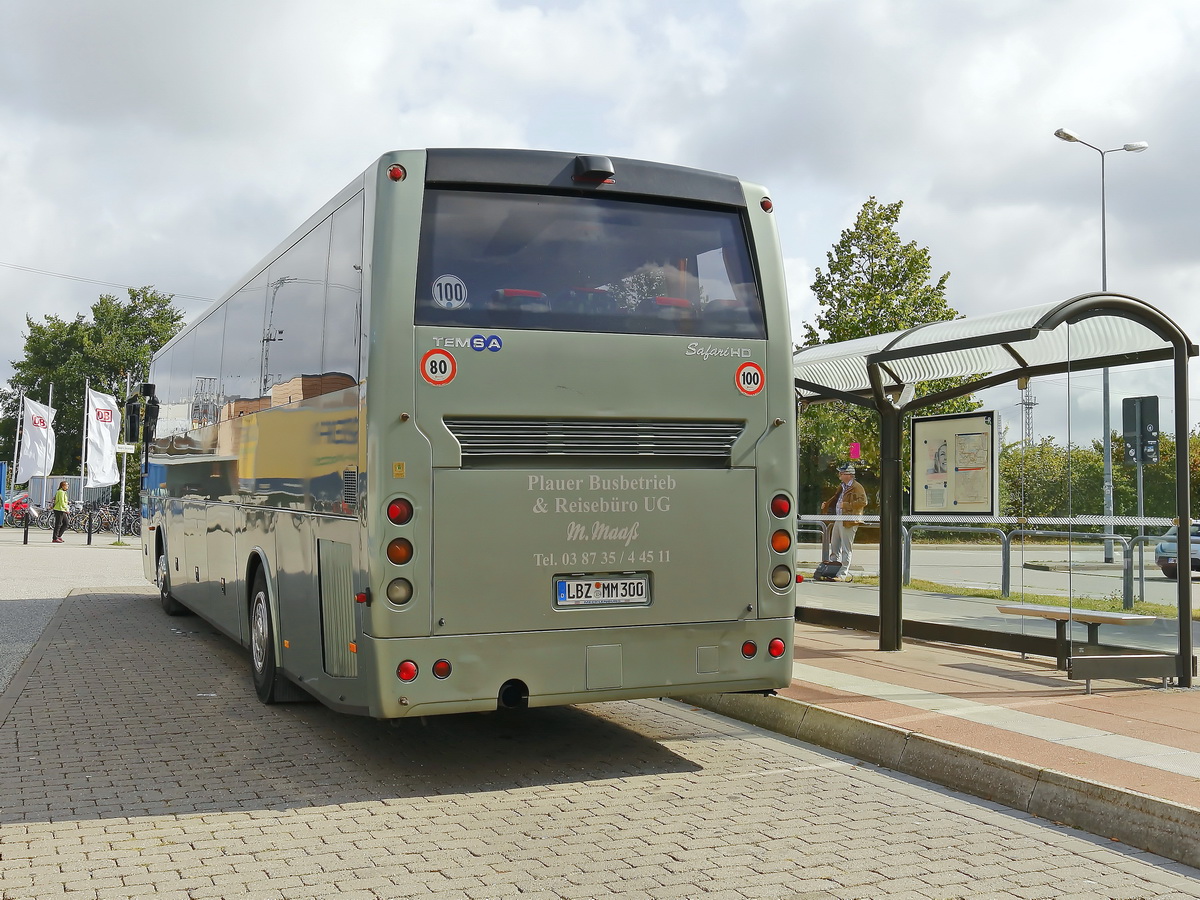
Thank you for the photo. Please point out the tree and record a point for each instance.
(874, 284)
(1047, 479)
(118, 339)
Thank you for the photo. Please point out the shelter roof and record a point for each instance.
(1104, 330)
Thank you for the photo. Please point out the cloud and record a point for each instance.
(144, 142)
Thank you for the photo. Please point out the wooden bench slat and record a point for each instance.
(1063, 613)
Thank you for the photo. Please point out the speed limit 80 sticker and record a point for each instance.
(749, 378)
(438, 367)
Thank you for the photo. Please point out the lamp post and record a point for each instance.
(1065, 134)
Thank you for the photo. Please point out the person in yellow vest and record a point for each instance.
(850, 500)
(61, 505)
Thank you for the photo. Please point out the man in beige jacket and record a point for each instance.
(850, 500)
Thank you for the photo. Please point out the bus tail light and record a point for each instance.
(781, 505)
(749, 649)
(781, 577)
(399, 591)
(399, 551)
(781, 541)
(396, 173)
(407, 670)
(400, 511)
(442, 668)
(776, 648)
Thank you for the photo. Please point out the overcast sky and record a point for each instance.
(157, 142)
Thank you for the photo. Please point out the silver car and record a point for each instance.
(1166, 553)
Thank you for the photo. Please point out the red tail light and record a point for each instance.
(776, 648)
(442, 668)
(407, 670)
(781, 506)
(400, 511)
(749, 649)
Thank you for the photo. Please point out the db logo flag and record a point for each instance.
(103, 431)
(37, 442)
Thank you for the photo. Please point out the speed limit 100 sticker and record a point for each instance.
(749, 378)
(438, 367)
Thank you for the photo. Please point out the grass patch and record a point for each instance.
(1111, 603)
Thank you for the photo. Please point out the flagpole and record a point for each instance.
(86, 422)
(17, 442)
(124, 465)
(47, 465)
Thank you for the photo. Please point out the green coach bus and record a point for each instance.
(492, 429)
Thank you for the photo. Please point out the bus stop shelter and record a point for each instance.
(1084, 333)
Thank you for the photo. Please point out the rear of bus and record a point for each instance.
(580, 434)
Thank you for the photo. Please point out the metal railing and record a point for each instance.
(1006, 542)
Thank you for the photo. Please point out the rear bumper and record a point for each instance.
(578, 666)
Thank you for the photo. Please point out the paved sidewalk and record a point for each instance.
(1121, 762)
(37, 575)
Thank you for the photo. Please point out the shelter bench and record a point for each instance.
(1061, 615)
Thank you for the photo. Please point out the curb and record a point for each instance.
(1147, 823)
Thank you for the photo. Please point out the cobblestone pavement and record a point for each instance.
(136, 762)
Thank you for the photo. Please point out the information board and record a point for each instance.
(956, 464)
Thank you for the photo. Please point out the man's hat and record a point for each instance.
(846, 468)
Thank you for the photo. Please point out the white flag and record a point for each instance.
(103, 431)
(37, 442)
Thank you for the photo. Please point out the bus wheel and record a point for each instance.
(170, 605)
(262, 641)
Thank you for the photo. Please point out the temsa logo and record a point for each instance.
(39, 421)
(104, 415)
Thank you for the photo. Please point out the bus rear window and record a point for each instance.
(500, 260)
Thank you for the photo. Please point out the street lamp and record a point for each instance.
(1065, 134)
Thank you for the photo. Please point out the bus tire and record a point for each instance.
(262, 640)
(162, 572)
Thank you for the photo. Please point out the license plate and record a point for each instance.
(602, 590)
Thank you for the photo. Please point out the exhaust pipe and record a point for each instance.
(513, 695)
